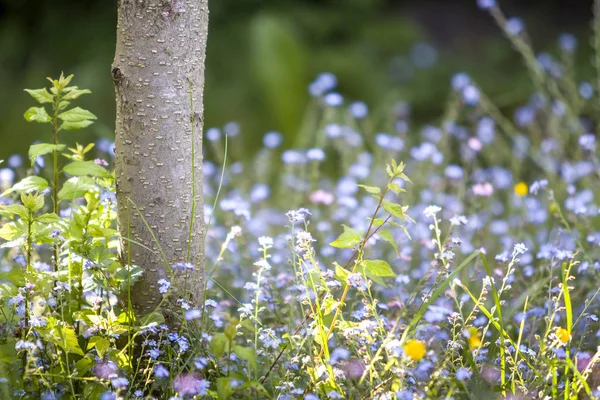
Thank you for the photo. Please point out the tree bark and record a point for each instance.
(158, 73)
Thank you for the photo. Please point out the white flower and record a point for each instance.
(430, 211)
(458, 220)
(265, 241)
(519, 249)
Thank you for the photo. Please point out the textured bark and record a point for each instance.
(158, 73)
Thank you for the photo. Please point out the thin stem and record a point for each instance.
(55, 168)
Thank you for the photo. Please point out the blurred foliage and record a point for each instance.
(262, 54)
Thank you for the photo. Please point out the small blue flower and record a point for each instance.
(486, 4)
(514, 26)
(567, 42)
(359, 110)
(462, 374)
(161, 372)
(164, 286)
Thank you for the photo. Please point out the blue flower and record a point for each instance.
(462, 374)
(514, 26)
(272, 140)
(486, 4)
(161, 372)
(193, 314)
(567, 42)
(358, 109)
(164, 286)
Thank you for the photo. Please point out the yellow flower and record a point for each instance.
(563, 335)
(474, 338)
(521, 189)
(414, 349)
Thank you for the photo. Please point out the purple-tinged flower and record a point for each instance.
(164, 286)
(105, 370)
(190, 385)
(483, 189)
(321, 197)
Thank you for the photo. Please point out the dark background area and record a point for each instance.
(262, 55)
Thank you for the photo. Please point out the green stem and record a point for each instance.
(55, 168)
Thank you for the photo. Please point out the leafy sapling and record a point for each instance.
(62, 118)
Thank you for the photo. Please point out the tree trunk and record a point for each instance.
(158, 73)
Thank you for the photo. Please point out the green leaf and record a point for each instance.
(42, 96)
(76, 187)
(371, 189)
(341, 274)
(224, 389)
(64, 336)
(50, 218)
(378, 268)
(395, 209)
(388, 237)
(64, 81)
(29, 184)
(246, 354)
(101, 344)
(41, 149)
(33, 202)
(348, 239)
(73, 126)
(81, 168)
(8, 354)
(14, 209)
(10, 231)
(394, 187)
(218, 344)
(82, 366)
(76, 114)
(37, 114)
(75, 93)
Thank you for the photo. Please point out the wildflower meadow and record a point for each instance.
(376, 258)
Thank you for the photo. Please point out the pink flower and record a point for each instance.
(483, 189)
(475, 144)
(321, 196)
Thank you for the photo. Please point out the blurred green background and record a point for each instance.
(262, 54)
